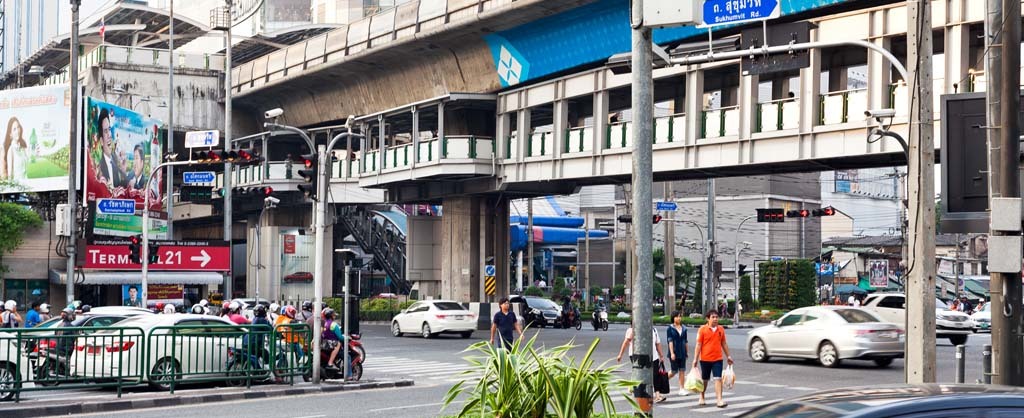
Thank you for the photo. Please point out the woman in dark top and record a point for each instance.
(677, 348)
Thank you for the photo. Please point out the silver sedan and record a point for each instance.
(829, 334)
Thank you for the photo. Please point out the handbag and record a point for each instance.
(661, 379)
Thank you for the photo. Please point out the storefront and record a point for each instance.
(114, 288)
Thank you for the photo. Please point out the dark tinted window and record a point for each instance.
(895, 302)
(448, 306)
(791, 319)
(856, 316)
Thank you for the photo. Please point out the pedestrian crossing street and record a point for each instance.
(440, 372)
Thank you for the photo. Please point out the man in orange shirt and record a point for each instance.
(708, 352)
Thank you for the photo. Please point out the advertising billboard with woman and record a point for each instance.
(34, 151)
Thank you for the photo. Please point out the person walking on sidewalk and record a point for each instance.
(677, 348)
(708, 352)
(656, 349)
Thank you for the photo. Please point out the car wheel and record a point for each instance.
(164, 373)
(958, 339)
(8, 381)
(883, 362)
(425, 331)
(395, 329)
(467, 334)
(758, 351)
(828, 356)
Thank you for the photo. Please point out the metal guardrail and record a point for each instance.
(165, 357)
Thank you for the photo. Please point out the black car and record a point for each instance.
(538, 311)
(904, 401)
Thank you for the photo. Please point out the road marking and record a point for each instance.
(712, 408)
(801, 388)
(413, 406)
(313, 416)
(710, 401)
(772, 385)
(746, 407)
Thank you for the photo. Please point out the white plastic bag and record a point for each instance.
(693, 382)
(729, 377)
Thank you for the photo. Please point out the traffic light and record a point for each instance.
(771, 215)
(246, 157)
(135, 249)
(628, 219)
(196, 194)
(825, 211)
(742, 269)
(799, 213)
(153, 252)
(309, 177)
(251, 191)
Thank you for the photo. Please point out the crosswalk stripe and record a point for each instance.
(746, 407)
(772, 385)
(438, 373)
(710, 403)
(801, 388)
(404, 367)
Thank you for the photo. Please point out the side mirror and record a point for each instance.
(405, 311)
(775, 323)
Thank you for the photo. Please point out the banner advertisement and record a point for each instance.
(34, 151)
(296, 260)
(878, 273)
(126, 226)
(123, 147)
(158, 293)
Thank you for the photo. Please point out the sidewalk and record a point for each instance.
(48, 406)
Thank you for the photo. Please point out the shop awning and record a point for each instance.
(134, 277)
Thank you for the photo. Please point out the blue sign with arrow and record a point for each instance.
(667, 206)
(489, 270)
(726, 12)
(198, 177)
(116, 206)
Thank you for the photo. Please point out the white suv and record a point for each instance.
(948, 324)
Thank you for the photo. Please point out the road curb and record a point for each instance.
(12, 410)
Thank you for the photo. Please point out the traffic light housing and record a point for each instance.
(309, 175)
(153, 252)
(825, 211)
(135, 249)
(771, 215)
(799, 213)
(628, 219)
(742, 270)
(246, 157)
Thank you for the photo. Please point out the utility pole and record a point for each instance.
(72, 166)
(529, 242)
(170, 130)
(1002, 30)
(228, 145)
(586, 268)
(920, 349)
(643, 127)
(709, 269)
(670, 255)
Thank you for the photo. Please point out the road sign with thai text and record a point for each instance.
(116, 206)
(201, 139)
(727, 12)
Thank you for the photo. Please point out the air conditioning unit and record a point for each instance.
(63, 220)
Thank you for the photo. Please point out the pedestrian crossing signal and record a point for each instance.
(771, 215)
(825, 211)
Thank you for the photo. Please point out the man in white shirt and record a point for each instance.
(655, 353)
(851, 300)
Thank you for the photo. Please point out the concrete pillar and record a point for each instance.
(694, 113)
(747, 102)
(501, 247)
(957, 51)
(810, 89)
(879, 69)
(600, 123)
(460, 249)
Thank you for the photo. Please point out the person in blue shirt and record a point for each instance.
(32, 318)
(677, 348)
(504, 322)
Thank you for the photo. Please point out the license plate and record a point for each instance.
(902, 337)
(959, 324)
(458, 317)
(888, 335)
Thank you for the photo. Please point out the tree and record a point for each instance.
(596, 291)
(658, 256)
(533, 291)
(659, 290)
(619, 290)
(698, 296)
(746, 298)
(14, 221)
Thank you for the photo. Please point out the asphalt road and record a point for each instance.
(435, 365)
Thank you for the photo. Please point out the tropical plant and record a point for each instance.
(534, 291)
(523, 382)
(746, 297)
(619, 290)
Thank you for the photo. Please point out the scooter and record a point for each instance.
(355, 363)
(571, 318)
(599, 320)
(50, 362)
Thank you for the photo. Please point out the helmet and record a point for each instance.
(198, 309)
(169, 308)
(288, 311)
(10, 305)
(234, 306)
(68, 314)
(86, 308)
(204, 303)
(275, 308)
(160, 306)
(307, 306)
(260, 311)
(44, 308)
(330, 314)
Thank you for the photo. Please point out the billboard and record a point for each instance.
(34, 151)
(296, 263)
(123, 147)
(878, 273)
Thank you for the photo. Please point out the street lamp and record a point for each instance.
(736, 245)
(346, 308)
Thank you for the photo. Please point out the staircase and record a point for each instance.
(380, 230)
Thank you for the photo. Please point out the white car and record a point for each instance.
(12, 369)
(432, 317)
(983, 319)
(892, 307)
(197, 350)
(120, 310)
(829, 334)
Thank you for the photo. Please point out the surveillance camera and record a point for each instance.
(271, 201)
(880, 113)
(273, 113)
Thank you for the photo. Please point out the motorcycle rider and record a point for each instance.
(596, 315)
(306, 315)
(235, 313)
(281, 325)
(260, 318)
(333, 336)
(66, 339)
(273, 312)
(568, 312)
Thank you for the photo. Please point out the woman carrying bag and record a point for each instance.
(708, 352)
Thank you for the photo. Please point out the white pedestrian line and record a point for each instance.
(801, 388)
(443, 371)
(710, 401)
(772, 385)
(746, 406)
(747, 382)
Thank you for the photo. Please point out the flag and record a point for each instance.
(103, 30)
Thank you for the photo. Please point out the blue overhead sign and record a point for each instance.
(198, 177)
(667, 206)
(116, 206)
(724, 12)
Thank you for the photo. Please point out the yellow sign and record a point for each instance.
(490, 285)
(572, 268)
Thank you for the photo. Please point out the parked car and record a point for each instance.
(432, 317)
(891, 307)
(12, 368)
(923, 401)
(538, 311)
(199, 352)
(41, 332)
(983, 319)
(120, 310)
(830, 334)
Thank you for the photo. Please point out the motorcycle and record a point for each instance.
(50, 362)
(355, 362)
(599, 320)
(571, 318)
